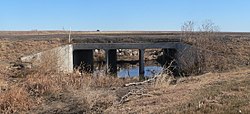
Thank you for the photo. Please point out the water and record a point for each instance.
(150, 71)
(131, 70)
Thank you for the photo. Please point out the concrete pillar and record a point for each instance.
(83, 59)
(111, 61)
(107, 60)
(141, 64)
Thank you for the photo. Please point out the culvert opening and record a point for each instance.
(186, 58)
(83, 60)
(169, 61)
(126, 61)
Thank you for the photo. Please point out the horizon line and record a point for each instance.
(124, 31)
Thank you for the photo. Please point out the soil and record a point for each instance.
(226, 92)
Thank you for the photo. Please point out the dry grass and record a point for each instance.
(208, 93)
(10, 51)
(219, 93)
(42, 90)
(15, 100)
(38, 87)
(215, 53)
(29, 88)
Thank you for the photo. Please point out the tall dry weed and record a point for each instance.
(165, 78)
(214, 52)
(15, 100)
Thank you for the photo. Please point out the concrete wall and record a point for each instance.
(60, 58)
(186, 56)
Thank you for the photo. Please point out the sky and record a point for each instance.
(123, 15)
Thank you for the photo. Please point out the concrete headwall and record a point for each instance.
(186, 56)
(60, 58)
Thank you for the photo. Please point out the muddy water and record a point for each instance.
(130, 69)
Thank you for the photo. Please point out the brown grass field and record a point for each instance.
(223, 85)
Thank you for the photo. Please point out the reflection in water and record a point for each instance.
(134, 71)
(131, 69)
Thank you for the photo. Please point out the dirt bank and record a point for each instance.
(39, 90)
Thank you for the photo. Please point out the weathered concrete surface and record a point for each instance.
(60, 58)
(125, 45)
(185, 54)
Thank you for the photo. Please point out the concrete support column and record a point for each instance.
(83, 59)
(111, 61)
(141, 64)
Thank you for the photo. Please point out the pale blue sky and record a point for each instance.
(108, 15)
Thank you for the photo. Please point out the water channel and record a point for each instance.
(131, 69)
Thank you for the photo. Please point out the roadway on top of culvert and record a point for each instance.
(106, 36)
(160, 45)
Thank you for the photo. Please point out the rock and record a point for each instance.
(3, 85)
(135, 53)
(19, 66)
(96, 50)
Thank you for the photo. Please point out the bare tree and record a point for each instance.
(206, 43)
(187, 30)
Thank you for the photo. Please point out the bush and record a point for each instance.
(215, 52)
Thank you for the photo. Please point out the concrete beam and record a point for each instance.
(80, 46)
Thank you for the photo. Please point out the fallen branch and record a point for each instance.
(123, 99)
(140, 83)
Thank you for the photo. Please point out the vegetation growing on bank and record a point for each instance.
(223, 86)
